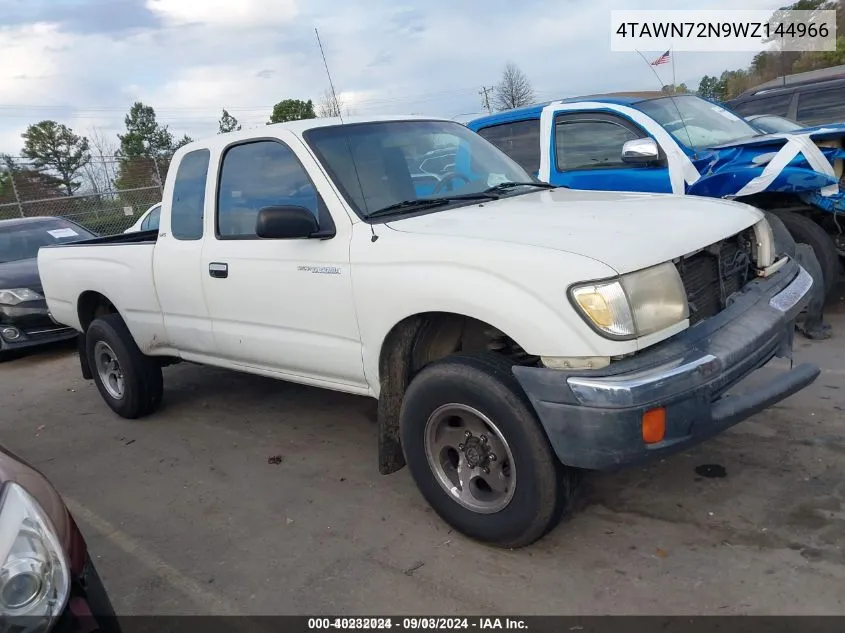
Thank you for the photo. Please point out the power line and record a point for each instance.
(187, 109)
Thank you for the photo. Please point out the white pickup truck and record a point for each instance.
(513, 333)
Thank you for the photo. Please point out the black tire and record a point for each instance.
(143, 384)
(805, 231)
(543, 487)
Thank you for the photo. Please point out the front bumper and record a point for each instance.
(31, 325)
(593, 419)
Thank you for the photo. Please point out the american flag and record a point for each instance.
(663, 59)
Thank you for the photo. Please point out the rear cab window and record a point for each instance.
(186, 212)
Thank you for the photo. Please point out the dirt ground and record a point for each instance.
(244, 495)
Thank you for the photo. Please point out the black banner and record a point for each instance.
(533, 624)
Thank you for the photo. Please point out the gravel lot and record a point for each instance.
(244, 495)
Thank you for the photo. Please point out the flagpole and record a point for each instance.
(672, 55)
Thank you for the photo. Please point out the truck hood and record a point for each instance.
(816, 132)
(626, 231)
(739, 167)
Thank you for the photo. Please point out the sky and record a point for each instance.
(84, 62)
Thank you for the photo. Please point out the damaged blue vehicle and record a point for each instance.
(684, 144)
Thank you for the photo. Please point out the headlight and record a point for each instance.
(14, 296)
(633, 305)
(34, 577)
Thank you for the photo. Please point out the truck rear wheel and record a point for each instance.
(129, 382)
(478, 453)
(805, 231)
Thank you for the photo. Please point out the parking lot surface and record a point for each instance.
(245, 495)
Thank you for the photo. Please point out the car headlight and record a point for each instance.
(633, 305)
(34, 576)
(14, 296)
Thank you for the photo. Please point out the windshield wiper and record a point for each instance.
(504, 186)
(408, 205)
(427, 203)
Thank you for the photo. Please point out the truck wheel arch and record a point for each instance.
(92, 304)
(415, 342)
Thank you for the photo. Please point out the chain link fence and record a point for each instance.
(106, 196)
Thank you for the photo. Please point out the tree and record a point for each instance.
(708, 88)
(679, 89)
(292, 110)
(32, 184)
(330, 105)
(100, 170)
(144, 135)
(514, 90)
(182, 142)
(227, 123)
(54, 147)
(7, 168)
(145, 149)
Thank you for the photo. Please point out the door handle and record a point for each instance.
(218, 270)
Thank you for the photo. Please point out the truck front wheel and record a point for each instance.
(478, 454)
(130, 382)
(805, 231)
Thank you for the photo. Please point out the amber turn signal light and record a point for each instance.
(654, 425)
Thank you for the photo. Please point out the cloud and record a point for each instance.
(81, 16)
(229, 13)
(84, 62)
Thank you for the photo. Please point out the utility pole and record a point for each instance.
(485, 100)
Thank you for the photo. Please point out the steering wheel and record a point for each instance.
(449, 177)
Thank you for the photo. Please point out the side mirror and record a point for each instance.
(286, 222)
(641, 151)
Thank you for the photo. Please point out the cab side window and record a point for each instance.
(186, 213)
(520, 140)
(816, 107)
(257, 175)
(589, 141)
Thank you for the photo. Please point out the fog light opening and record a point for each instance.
(654, 425)
(10, 333)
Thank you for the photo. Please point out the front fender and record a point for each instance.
(519, 291)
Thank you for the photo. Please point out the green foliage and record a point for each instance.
(679, 89)
(53, 147)
(144, 135)
(182, 142)
(772, 64)
(227, 123)
(292, 110)
(145, 149)
(710, 88)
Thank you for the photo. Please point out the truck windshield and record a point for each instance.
(22, 239)
(388, 163)
(695, 122)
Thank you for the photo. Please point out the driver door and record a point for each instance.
(279, 305)
(587, 154)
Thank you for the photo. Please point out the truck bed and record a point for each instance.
(119, 268)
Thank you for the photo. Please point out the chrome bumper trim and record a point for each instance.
(656, 384)
(639, 388)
